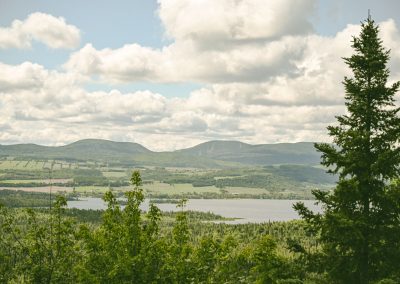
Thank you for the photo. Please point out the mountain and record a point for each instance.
(263, 154)
(95, 148)
(212, 154)
(217, 148)
(88, 149)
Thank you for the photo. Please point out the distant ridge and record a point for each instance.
(87, 149)
(208, 154)
(262, 154)
(215, 148)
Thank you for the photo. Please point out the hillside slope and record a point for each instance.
(263, 154)
(88, 149)
(213, 154)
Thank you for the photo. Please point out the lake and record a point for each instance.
(248, 210)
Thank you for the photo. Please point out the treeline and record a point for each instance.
(19, 198)
(16, 198)
(223, 194)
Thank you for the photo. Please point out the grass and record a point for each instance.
(90, 189)
(115, 175)
(99, 189)
(158, 187)
(8, 165)
(35, 165)
(47, 165)
(245, 190)
(163, 188)
(22, 181)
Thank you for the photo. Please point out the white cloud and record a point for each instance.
(25, 76)
(129, 63)
(212, 24)
(57, 110)
(214, 41)
(53, 32)
(293, 61)
(265, 80)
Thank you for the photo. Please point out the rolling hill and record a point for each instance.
(212, 154)
(263, 154)
(88, 149)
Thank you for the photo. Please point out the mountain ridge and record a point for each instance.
(211, 153)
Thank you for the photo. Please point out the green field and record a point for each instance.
(115, 175)
(23, 181)
(284, 181)
(163, 188)
(93, 189)
(7, 165)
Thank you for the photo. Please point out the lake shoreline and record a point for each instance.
(243, 210)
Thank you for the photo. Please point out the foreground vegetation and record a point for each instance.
(360, 227)
(123, 246)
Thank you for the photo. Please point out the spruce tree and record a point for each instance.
(359, 228)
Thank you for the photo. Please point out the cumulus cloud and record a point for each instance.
(219, 24)
(265, 79)
(213, 41)
(58, 110)
(51, 31)
(181, 62)
(274, 47)
(129, 63)
(25, 76)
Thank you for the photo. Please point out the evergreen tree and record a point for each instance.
(360, 226)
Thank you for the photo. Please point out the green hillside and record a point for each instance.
(264, 154)
(88, 149)
(213, 154)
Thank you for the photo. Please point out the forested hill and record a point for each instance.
(263, 154)
(209, 154)
(88, 149)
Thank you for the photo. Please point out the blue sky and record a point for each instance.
(203, 69)
(106, 24)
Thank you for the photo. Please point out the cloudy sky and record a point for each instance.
(170, 74)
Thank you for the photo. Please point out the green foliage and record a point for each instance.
(360, 226)
(16, 198)
(126, 246)
(37, 248)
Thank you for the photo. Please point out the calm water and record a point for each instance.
(248, 210)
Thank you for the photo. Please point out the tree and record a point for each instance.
(360, 226)
(36, 247)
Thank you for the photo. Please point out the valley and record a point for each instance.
(216, 169)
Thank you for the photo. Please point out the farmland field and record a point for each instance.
(94, 178)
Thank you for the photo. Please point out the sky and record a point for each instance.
(170, 74)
